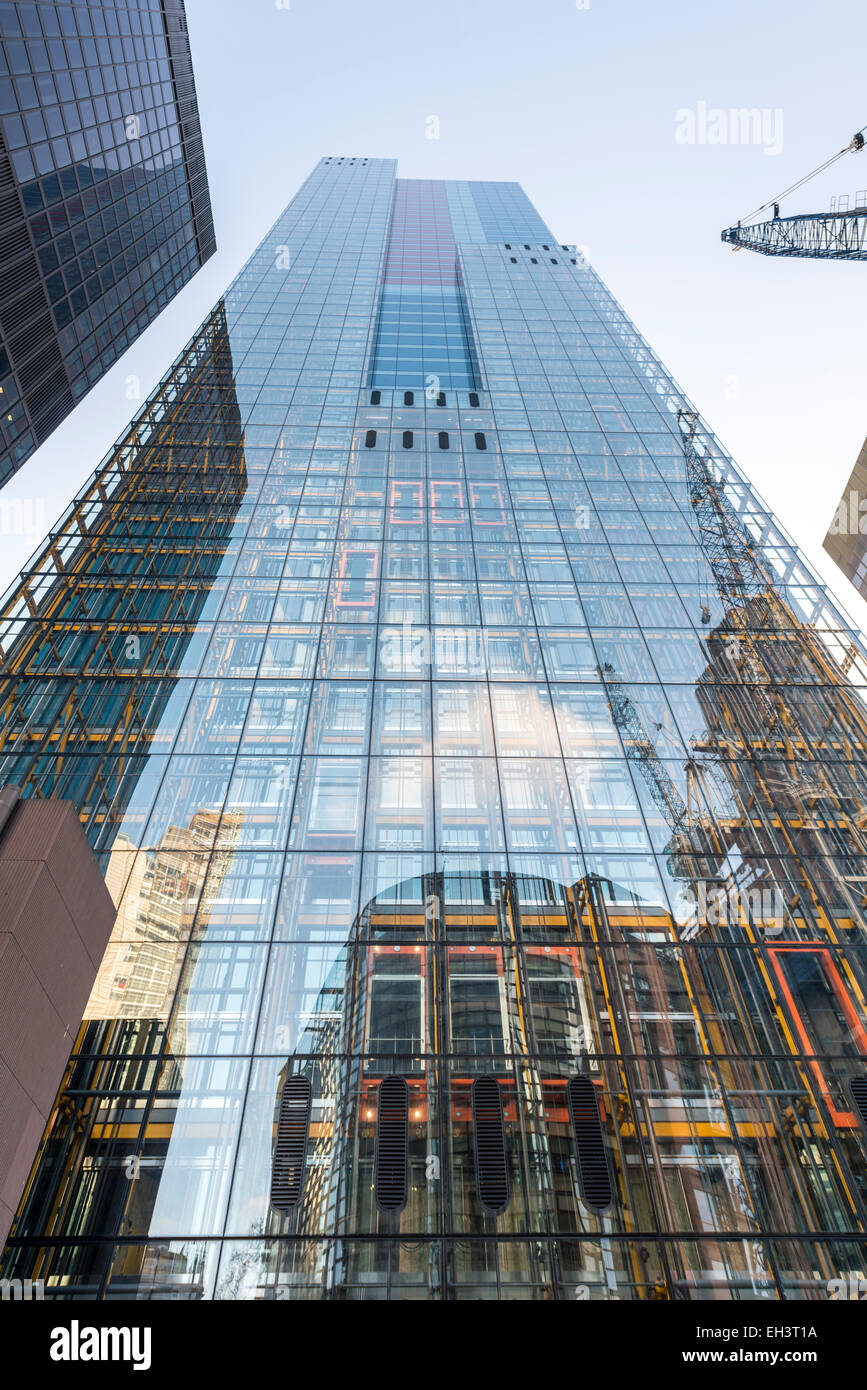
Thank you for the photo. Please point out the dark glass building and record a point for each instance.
(104, 206)
(479, 774)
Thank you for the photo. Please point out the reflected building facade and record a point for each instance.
(462, 739)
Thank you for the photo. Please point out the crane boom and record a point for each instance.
(840, 236)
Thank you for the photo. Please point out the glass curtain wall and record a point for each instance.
(478, 770)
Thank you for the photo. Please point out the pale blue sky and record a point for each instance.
(580, 105)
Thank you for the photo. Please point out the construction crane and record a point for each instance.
(640, 749)
(738, 573)
(741, 579)
(840, 234)
(695, 851)
(699, 846)
(691, 840)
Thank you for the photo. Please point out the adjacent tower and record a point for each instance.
(846, 538)
(104, 206)
(478, 771)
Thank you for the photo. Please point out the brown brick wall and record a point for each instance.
(56, 916)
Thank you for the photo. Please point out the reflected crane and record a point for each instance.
(691, 836)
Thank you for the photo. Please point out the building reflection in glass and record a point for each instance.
(490, 734)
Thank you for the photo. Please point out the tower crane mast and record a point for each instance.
(640, 749)
(738, 573)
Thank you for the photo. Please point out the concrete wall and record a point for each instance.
(56, 916)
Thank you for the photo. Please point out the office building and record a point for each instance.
(478, 771)
(104, 206)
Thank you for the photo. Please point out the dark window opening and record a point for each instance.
(392, 1145)
(858, 1088)
(489, 1142)
(290, 1150)
(514, 260)
(554, 260)
(375, 397)
(481, 441)
(474, 398)
(594, 1177)
(441, 398)
(443, 439)
(408, 397)
(407, 439)
(370, 439)
(533, 261)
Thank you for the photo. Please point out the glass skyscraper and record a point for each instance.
(104, 206)
(479, 773)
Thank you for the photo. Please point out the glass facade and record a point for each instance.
(104, 205)
(478, 771)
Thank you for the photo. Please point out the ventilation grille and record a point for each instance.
(492, 1178)
(392, 1141)
(858, 1088)
(593, 1174)
(290, 1152)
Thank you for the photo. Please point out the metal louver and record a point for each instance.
(594, 1176)
(858, 1089)
(290, 1150)
(492, 1177)
(392, 1143)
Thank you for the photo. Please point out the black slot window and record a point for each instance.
(290, 1149)
(489, 1143)
(594, 1176)
(392, 1144)
(858, 1089)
